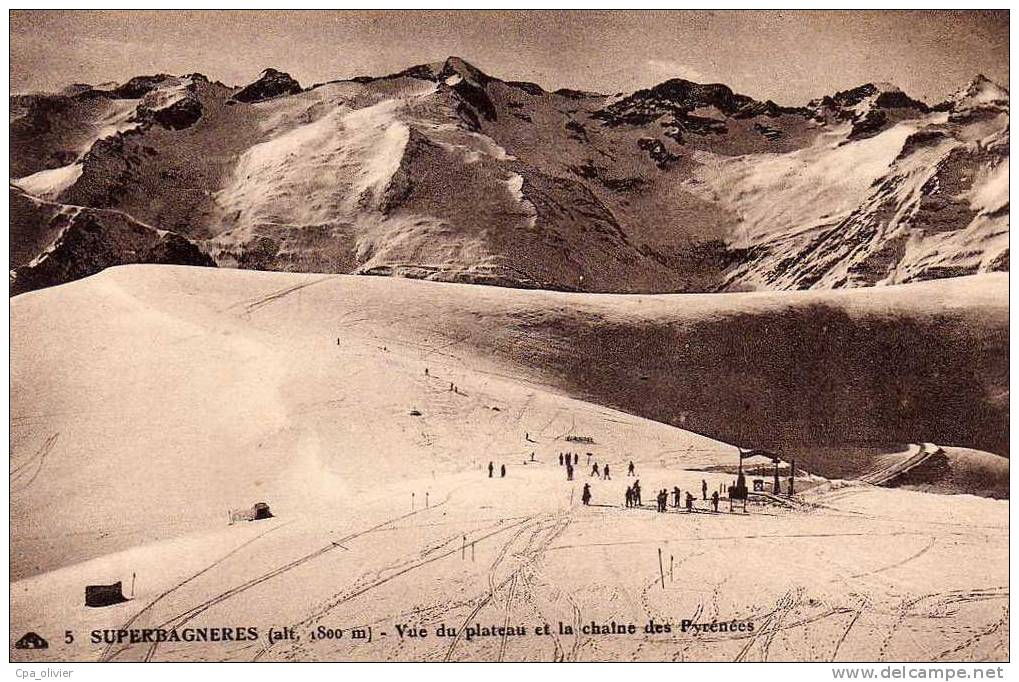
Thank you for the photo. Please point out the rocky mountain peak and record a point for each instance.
(272, 83)
(685, 105)
(690, 95)
(139, 86)
(870, 108)
(457, 66)
(981, 90)
(863, 97)
(75, 89)
(451, 71)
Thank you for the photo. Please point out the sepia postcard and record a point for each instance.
(509, 336)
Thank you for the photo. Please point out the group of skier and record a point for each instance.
(570, 460)
(662, 499)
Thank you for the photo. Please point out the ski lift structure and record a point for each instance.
(739, 491)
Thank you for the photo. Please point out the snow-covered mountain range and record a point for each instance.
(446, 173)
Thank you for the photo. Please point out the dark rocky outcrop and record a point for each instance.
(272, 83)
(139, 86)
(181, 114)
(81, 242)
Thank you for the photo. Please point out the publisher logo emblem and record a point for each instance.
(30, 640)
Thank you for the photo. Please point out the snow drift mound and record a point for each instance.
(958, 471)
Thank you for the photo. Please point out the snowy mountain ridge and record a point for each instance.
(443, 172)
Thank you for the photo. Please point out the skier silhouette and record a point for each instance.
(605, 473)
(491, 469)
(586, 496)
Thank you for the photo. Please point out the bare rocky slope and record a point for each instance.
(446, 173)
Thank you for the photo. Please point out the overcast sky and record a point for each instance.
(789, 57)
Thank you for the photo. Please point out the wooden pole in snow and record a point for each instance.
(660, 569)
(133, 574)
